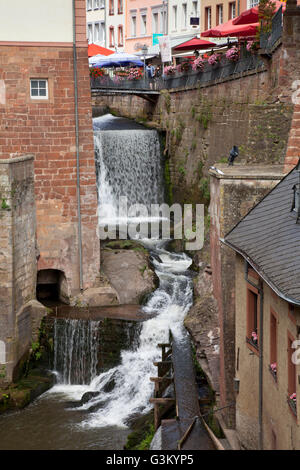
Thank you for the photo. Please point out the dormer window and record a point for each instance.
(296, 195)
(295, 206)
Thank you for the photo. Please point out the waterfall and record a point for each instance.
(129, 163)
(75, 350)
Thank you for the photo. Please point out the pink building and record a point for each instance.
(143, 19)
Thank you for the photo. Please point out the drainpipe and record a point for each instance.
(260, 378)
(77, 147)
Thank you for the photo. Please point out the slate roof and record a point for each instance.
(268, 237)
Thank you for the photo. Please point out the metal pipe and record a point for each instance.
(77, 148)
(260, 372)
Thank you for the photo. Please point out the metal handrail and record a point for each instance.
(268, 40)
(220, 71)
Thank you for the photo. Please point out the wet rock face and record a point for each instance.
(202, 323)
(129, 274)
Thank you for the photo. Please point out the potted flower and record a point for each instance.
(198, 64)
(213, 59)
(134, 74)
(96, 72)
(252, 45)
(273, 369)
(232, 54)
(292, 400)
(169, 70)
(254, 338)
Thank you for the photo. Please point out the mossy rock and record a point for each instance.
(142, 432)
(124, 245)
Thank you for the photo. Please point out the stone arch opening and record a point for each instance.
(51, 286)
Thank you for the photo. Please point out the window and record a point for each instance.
(252, 316)
(207, 17)
(273, 440)
(174, 17)
(111, 36)
(291, 376)
(133, 26)
(232, 10)
(291, 314)
(184, 15)
(143, 24)
(273, 345)
(120, 35)
(195, 8)
(102, 3)
(39, 89)
(111, 7)
(155, 23)
(252, 3)
(90, 33)
(120, 7)
(162, 22)
(97, 32)
(96, 4)
(89, 4)
(219, 14)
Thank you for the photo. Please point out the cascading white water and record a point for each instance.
(129, 164)
(75, 350)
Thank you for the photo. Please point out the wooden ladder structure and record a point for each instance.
(188, 429)
(161, 382)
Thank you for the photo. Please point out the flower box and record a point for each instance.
(273, 370)
(293, 403)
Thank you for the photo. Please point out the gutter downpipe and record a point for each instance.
(77, 147)
(260, 380)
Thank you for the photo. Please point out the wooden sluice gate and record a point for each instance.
(187, 430)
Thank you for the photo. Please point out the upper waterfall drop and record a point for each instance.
(128, 163)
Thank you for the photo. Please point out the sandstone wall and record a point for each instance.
(17, 258)
(46, 128)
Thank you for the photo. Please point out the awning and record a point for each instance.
(194, 44)
(228, 29)
(93, 49)
(251, 15)
(118, 59)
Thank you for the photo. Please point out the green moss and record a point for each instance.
(142, 433)
(4, 205)
(145, 444)
(168, 182)
(204, 188)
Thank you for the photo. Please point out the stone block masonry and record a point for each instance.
(46, 128)
(17, 259)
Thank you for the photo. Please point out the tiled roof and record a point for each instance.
(269, 238)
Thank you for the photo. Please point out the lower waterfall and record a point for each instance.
(129, 163)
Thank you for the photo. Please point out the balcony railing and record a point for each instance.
(268, 40)
(223, 70)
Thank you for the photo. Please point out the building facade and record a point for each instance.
(95, 17)
(180, 13)
(115, 25)
(44, 67)
(215, 12)
(144, 20)
(267, 319)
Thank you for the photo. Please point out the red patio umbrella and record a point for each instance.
(228, 29)
(93, 49)
(251, 15)
(194, 44)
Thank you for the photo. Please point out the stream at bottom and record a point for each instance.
(101, 423)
